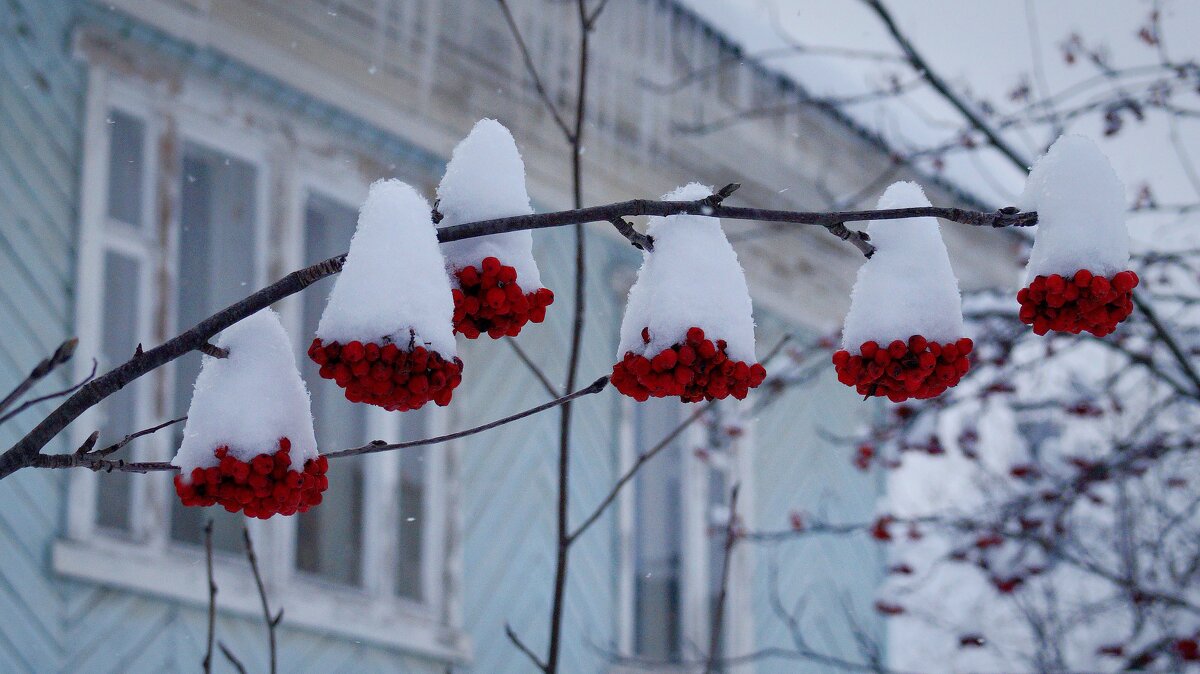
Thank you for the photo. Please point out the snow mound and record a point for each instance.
(907, 287)
(394, 279)
(1081, 211)
(249, 400)
(692, 278)
(485, 179)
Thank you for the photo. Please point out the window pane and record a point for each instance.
(658, 535)
(329, 538)
(126, 137)
(118, 411)
(216, 268)
(413, 476)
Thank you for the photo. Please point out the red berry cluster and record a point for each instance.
(262, 487)
(697, 369)
(919, 369)
(489, 300)
(1075, 304)
(387, 376)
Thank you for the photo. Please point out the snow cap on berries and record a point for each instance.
(1081, 211)
(394, 279)
(250, 400)
(907, 287)
(692, 278)
(485, 179)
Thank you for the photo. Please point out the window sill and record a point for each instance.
(181, 576)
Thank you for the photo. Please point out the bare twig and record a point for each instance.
(26, 451)
(516, 640)
(531, 68)
(49, 396)
(731, 536)
(537, 371)
(210, 349)
(921, 66)
(61, 355)
(95, 463)
(562, 523)
(271, 621)
(233, 660)
(212, 596)
(629, 474)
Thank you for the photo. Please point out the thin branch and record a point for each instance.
(109, 465)
(531, 68)
(516, 640)
(237, 664)
(714, 640)
(271, 621)
(533, 367)
(639, 240)
(26, 451)
(212, 596)
(210, 349)
(61, 355)
(921, 66)
(378, 446)
(629, 474)
(131, 437)
(49, 396)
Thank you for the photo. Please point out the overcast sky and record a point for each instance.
(988, 46)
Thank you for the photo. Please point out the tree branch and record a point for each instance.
(531, 68)
(212, 596)
(26, 451)
(50, 396)
(90, 460)
(714, 640)
(271, 621)
(61, 355)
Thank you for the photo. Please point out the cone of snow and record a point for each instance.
(385, 335)
(688, 329)
(497, 287)
(1077, 278)
(248, 443)
(903, 336)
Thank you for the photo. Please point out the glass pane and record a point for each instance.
(329, 538)
(118, 411)
(658, 535)
(413, 476)
(126, 138)
(216, 267)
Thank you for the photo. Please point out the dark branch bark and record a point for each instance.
(212, 597)
(61, 355)
(714, 640)
(108, 465)
(271, 621)
(516, 641)
(50, 396)
(26, 451)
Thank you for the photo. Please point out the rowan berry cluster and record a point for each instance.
(264, 486)
(696, 369)
(1083, 302)
(387, 376)
(899, 371)
(489, 300)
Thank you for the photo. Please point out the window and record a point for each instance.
(675, 521)
(186, 209)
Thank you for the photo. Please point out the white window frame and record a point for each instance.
(738, 630)
(146, 560)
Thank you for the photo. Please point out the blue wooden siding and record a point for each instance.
(48, 623)
(40, 107)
